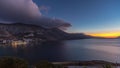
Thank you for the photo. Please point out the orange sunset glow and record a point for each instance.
(106, 35)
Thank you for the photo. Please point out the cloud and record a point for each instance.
(18, 9)
(27, 11)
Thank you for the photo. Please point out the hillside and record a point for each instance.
(21, 30)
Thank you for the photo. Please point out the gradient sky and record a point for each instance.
(87, 16)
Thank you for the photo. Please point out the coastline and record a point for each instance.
(86, 63)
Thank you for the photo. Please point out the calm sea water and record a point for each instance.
(73, 50)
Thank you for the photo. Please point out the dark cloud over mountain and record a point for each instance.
(27, 11)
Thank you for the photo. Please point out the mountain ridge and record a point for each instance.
(21, 30)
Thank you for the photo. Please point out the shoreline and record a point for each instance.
(86, 63)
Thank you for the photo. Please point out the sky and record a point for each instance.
(92, 17)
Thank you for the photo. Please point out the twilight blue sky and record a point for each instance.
(86, 16)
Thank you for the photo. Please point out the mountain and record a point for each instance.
(21, 30)
(79, 36)
(118, 37)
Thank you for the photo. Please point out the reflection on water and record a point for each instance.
(51, 51)
(109, 49)
(75, 50)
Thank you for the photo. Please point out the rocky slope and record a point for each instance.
(20, 30)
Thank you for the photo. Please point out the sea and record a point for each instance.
(69, 50)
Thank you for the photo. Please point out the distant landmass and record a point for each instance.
(118, 37)
(21, 30)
